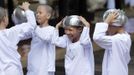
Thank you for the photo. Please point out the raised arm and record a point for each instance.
(24, 30)
(46, 33)
(100, 36)
(85, 38)
(57, 40)
(29, 14)
(87, 24)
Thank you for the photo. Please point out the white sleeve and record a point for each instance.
(52, 56)
(100, 36)
(24, 30)
(31, 18)
(60, 41)
(85, 38)
(44, 34)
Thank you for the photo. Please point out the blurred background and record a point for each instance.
(92, 10)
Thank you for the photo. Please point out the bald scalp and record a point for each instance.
(47, 8)
(2, 13)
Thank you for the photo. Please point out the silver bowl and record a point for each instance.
(19, 16)
(121, 18)
(72, 20)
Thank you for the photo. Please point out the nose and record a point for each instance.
(67, 32)
(37, 14)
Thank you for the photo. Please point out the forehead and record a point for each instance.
(70, 27)
(3, 12)
(41, 8)
(112, 26)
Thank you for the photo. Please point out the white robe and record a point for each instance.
(131, 3)
(43, 1)
(9, 57)
(79, 59)
(127, 2)
(129, 26)
(41, 58)
(111, 4)
(117, 50)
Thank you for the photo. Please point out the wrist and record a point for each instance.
(107, 21)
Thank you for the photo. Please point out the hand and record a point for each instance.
(84, 21)
(111, 17)
(25, 6)
(59, 25)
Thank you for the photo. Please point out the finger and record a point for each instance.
(64, 18)
(115, 14)
(80, 17)
(20, 6)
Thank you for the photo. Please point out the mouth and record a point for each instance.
(70, 36)
(38, 19)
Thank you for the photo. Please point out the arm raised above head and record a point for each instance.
(25, 29)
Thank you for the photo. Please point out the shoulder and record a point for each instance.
(124, 37)
(51, 27)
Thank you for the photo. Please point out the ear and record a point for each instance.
(3, 19)
(48, 16)
(80, 29)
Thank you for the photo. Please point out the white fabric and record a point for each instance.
(79, 59)
(43, 1)
(95, 4)
(9, 57)
(111, 4)
(51, 73)
(117, 50)
(130, 2)
(127, 2)
(41, 58)
(129, 26)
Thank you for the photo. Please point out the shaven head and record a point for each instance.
(2, 13)
(47, 8)
(43, 14)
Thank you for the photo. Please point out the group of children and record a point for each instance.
(79, 58)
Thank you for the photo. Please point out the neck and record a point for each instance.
(121, 30)
(2, 26)
(44, 24)
(75, 40)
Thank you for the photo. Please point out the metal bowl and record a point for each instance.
(72, 20)
(121, 18)
(19, 16)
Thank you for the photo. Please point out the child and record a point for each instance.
(111, 36)
(9, 57)
(79, 59)
(41, 58)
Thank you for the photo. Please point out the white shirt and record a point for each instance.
(79, 59)
(117, 50)
(41, 58)
(111, 4)
(9, 57)
(129, 26)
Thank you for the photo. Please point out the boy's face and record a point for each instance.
(41, 15)
(113, 29)
(73, 33)
(6, 20)
(4, 17)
